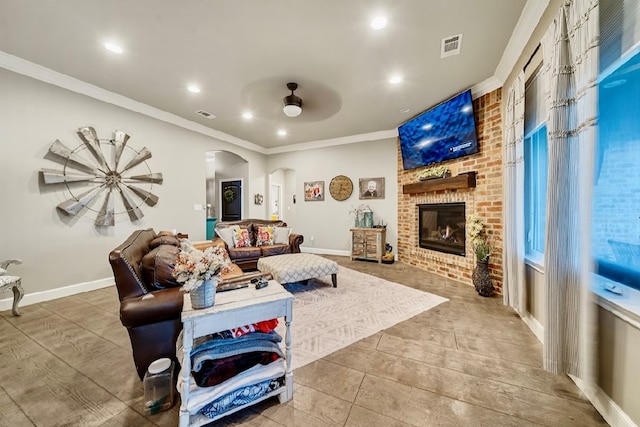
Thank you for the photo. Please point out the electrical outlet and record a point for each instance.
(198, 207)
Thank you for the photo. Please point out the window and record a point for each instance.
(535, 168)
(616, 193)
(535, 190)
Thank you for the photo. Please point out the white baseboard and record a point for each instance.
(48, 295)
(535, 326)
(321, 251)
(610, 411)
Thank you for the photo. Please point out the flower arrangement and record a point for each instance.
(194, 266)
(433, 172)
(478, 237)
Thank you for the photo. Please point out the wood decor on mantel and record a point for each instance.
(463, 180)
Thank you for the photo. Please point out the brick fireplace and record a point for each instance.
(485, 200)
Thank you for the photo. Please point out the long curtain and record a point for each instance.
(570, 55)
(513, 155)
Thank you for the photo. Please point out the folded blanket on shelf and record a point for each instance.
(200, 396)
(265, 326)
(213, 372)
(221, 348)
(241, 397)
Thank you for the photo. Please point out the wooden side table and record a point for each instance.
(368, 243)
(232, 309)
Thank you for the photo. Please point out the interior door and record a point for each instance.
(231, 192)
(276, 210)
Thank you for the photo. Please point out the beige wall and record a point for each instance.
(329, 221)
(58, 250)
(619, 367)
(485, 200)
(535, 295)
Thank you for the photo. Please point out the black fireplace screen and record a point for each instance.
(442, 227)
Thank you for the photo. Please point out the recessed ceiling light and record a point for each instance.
(405, 110)
(394, 80)
(282, 132)
(112, 47)
(248, 115)
(193, 89)
(379, 22)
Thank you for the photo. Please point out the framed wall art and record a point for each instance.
(313, 191)
(371, 188)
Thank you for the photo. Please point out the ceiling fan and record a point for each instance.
(292, 103)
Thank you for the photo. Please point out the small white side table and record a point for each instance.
(232, 309)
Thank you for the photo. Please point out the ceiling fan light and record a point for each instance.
(292, 106)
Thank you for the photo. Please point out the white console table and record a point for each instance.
(232, 309)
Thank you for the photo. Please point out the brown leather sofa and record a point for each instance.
(247, 257)
(150, 298)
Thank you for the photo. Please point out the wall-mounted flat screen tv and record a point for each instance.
(444, 132)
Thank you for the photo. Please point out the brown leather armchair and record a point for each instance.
(150, 299)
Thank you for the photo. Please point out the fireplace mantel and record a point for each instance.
(462, 181)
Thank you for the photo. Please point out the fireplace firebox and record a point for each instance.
(442, 227)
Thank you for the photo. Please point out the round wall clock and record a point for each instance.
(106, 176)
(341, 187)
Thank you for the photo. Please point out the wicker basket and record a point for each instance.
(205, 295)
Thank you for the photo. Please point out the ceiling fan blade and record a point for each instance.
(65, 153)
(143, 155)
(55, 176)
(90, 138)
(74, 205)
(106, 216)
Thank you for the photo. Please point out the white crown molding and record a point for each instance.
(47, 75)
(486, 86)
(371, 136)
(529, 19)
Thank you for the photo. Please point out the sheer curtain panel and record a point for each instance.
(570, 56)
(513, 291)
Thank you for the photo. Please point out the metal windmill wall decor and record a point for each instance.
(94, 175)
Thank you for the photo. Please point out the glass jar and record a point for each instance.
(159, 386)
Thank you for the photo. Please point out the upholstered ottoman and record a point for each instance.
(291, 268)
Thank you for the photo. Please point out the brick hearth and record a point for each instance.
(485, 200)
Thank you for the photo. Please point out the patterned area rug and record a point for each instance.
(326, 319)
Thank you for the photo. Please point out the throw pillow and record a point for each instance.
(164, 240)
(3, 271)
(226, 234)
(264, 236)
(281, 235)
(241, 238)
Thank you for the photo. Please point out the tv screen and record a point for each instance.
(444, 132)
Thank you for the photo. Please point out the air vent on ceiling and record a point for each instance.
(206, 114)
(451, 46)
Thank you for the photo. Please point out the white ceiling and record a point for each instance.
(243, 52)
